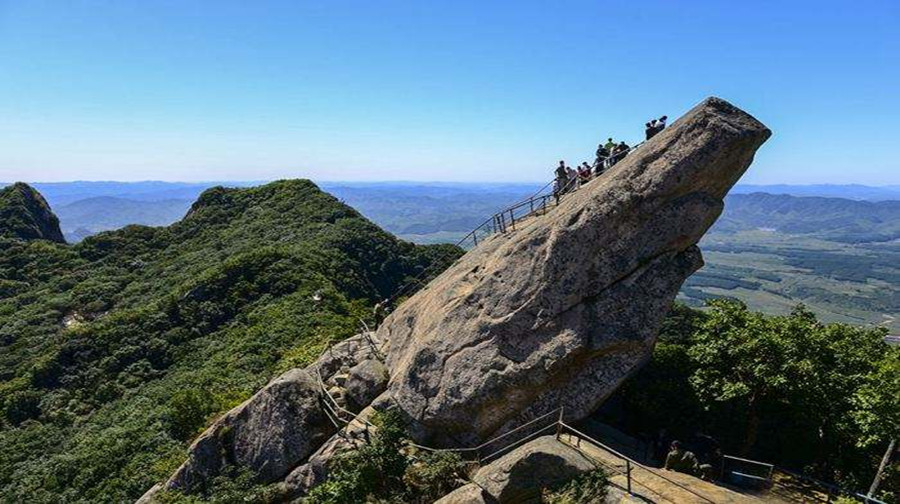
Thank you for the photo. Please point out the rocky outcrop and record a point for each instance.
(285, 424)
(25, 215)
(269, 434)
(365, 381)
(558, 312)
(562, 310)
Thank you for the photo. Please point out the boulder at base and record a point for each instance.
(520, 475)
(269, 434)
(466, 494)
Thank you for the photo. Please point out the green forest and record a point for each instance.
(818, 399)
(117, 351)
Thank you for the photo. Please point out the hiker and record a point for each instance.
(660, 124)
(650, 129)
(561, 171)
(610, 144)
(618, 152)
(656, 126)
(622, 151)
(709, 454)
(561, 181)
(600, 160)
(381, 310)
(571, 176)
(681, 460)
(584, 173)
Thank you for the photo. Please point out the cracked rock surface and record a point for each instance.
(562, 310)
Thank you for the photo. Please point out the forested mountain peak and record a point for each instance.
(115, 350)
(25, 215)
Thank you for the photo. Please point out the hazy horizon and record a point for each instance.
(398, 181)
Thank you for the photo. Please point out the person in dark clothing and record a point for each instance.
(600, 160)
(622, 151)
(562, 179)
(655, 126)
(618, 152)
(681, 460)
(561, 170)
(650, 129)
(661, 123)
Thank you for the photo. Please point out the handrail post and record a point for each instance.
(628, 475)
(559, 424)
(512, 219)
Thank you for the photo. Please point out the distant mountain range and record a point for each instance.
(438, 211)
(851, 191)
(834, 219)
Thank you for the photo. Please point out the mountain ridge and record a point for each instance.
(117, 349)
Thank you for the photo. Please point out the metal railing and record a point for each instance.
(492, 448)
(745, 472)
(505, 220)
(630, 465)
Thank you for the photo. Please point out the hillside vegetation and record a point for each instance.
(820, 399)
(117, 351)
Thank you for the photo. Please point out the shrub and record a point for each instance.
(187, 412)
(374, 471)
(21, 406)
(434, 475)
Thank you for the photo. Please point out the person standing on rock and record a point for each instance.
(584, 173)
(559, 183)
(658, 125)
(610, 144)
(621, 151)
(381, 311)
(561, 170)
(650, 129)
(600, 160)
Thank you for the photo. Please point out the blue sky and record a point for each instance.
(438, 91)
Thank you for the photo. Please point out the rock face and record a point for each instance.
(24, 214)
(558, 312)
(466, 494)
(365, 381)
(269, 434)
(284, 424)
(562, 310)
(520, 475)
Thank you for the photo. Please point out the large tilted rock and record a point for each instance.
(556, 313)
(563, 309)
